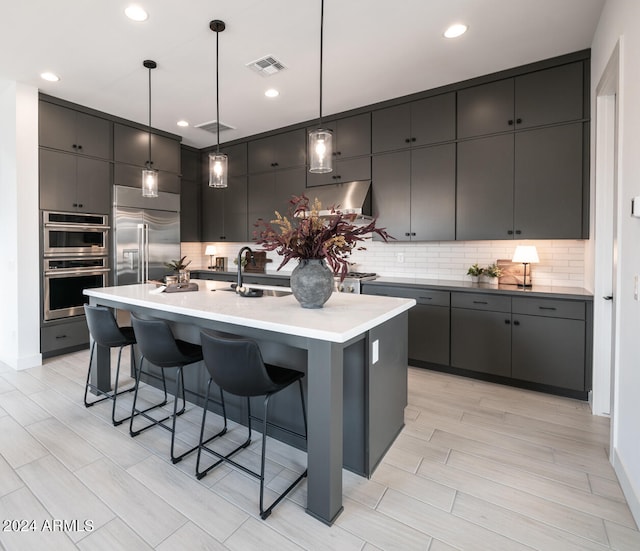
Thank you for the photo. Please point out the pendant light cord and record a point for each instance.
(321, 47)
(149, 163)
(217, 94)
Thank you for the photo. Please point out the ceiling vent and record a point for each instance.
(266, 66)
(212, 126)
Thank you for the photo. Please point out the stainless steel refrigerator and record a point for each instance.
(147, 234)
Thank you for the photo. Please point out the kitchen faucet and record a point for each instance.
(239, 288)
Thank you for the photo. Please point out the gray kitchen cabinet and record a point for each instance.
(131, 146)
(131, 176)
(414, 193)
(481, 333)
(271, 191)
(414, 124)
(524, 185)
(279, 151)
(190, 164)
(428, 322)
(548, 342)
(344, 170)
(190, 195)
(72, 131)
(224, 211)
(538, 98)
(74, 183)
(64, 337)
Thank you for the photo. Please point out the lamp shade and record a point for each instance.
(526, 254)
(218, 170)
(149, 183)
(210, 250)
(320, 151)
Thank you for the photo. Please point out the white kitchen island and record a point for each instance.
(351, 334)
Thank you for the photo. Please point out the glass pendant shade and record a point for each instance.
(320, 151)
(149, 183)
(218, 170)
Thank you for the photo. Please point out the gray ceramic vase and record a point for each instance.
(312, 283)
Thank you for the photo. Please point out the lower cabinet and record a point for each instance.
(528, 341)
(64, 337)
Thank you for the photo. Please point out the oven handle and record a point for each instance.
(77, 227)
(63, 273)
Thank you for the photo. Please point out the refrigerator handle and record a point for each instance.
(141, 253)
(146, 253)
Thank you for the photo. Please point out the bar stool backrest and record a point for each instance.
(103, 326)
(156, 342)
(236, 366)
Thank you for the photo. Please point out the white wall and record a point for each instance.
(19, 241)
(620, 21)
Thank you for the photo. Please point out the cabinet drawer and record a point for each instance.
(549, 307)
(477, 301)
(64, 335)
(422, 296)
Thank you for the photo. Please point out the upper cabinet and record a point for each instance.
(542, 97)
(284, 150)
(131, 146)
(72, 131)
(414, 124)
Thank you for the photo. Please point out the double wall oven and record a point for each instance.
(75, 257)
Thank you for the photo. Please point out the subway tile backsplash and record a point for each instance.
(561, 261)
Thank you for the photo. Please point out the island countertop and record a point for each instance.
(342, 317)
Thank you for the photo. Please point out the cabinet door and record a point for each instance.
(57, 181)
(260, 200)
(131, 146)
(486, 109)
(549, 183)
(549, 351)
(165, 153)
(190, 206)
(93, 190)
(433, 120)
(433, 193)
(344, 170)
(280, 151)
(93, 136)
(189, 164)
(485, 189)
(391, 128)
(288, 183)
(429, 334)
(481, 341)
(224, 211)
(353, 136)
(549, 96)
(391, 197)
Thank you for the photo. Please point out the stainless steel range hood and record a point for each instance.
(349, 198)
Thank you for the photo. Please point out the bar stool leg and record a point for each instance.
(135, 413)
(202, 442)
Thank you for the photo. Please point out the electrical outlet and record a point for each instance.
(635, 287)
(400, 258)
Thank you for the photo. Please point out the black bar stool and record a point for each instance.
(158, 346)
(235, 364)
(105, 332)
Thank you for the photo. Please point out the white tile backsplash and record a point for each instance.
(561, 261)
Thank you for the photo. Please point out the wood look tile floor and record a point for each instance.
(478, 466)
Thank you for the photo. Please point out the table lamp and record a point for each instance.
(210, 251)
(526, 254)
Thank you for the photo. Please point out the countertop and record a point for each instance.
(342, 318)
(466, 286)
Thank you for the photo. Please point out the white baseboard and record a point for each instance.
(24, 362)
(630, 493)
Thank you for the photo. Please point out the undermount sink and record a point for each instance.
(254, 292)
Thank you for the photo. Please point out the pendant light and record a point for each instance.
(321, 139)
(218, 162)
(149, 175)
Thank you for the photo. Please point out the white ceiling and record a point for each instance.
(374, 50)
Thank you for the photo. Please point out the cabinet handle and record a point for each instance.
(480, 302)
(79, 147)
(516, 322)
(510, 232)
(518, 232)
(407, 234)
(407, 140)
(510, 122)
(547, 307)
(518, 121)
(608, 297)
(338, 152)
(80, 205)
(413, 234)
(61, 336)
(75, 204)
(507, 322)
(413, 139)
(274, 164)
(75, 146)
(425, 298)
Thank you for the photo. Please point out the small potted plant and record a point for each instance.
(180, 268)
(492, 273)
(475, 272)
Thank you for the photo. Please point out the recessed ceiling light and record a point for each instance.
(183, 123)
(272, 93)
(51, 77)
(136, 13)
(455, 31)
